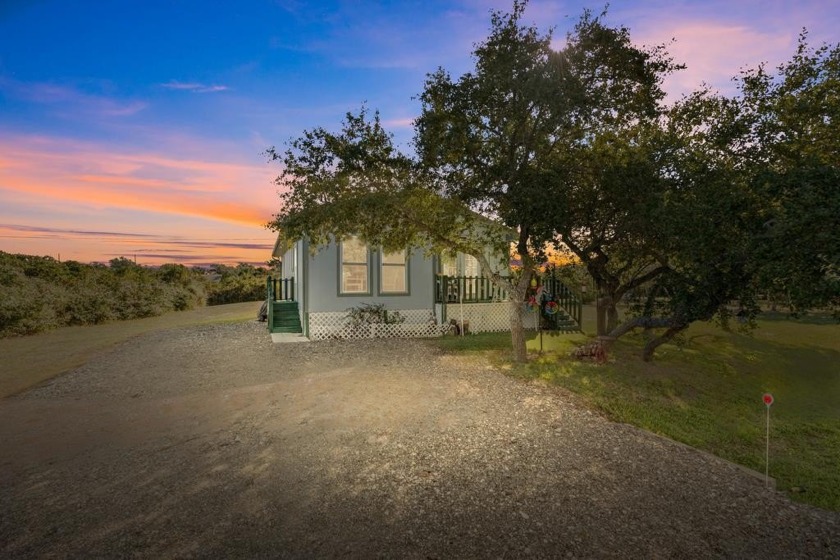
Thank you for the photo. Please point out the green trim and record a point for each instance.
(304, 246)
(369, 263)
(382, 265)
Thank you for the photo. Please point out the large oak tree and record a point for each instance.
(496, 143)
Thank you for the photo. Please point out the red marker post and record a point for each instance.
(768, 400)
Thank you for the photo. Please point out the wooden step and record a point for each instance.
(285, 318)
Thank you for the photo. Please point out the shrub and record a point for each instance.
(236, 284)
(40, 293)
(369, 313)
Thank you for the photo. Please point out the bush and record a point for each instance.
(40, 293)
(236, 284)
(370, 313)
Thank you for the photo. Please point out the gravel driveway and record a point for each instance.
(214, 442)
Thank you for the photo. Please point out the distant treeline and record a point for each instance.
(41, 293)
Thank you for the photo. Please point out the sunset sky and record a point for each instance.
(137, 128)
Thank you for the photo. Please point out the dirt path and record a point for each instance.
(212, 442)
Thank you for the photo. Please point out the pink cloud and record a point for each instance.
(68, 96)
(147, 249)
(90, 202)
(399, 123)
(715, 52)
(59, 169)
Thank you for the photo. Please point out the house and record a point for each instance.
(348, 289)
(419, 294)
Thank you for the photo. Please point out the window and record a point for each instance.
(472, 271)
(449, 265)
(394, 275)
(471, 267)
(354, 267)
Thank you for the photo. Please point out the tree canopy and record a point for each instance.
(697, 203)
(498, 142)
(792, 140)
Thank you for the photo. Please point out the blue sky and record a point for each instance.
(138, 128)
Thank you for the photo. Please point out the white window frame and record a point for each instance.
(383, 265)
(342, 291)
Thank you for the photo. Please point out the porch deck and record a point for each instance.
(488, 306)
(565, 316)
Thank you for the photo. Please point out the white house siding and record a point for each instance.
(293, 267)
(323, 310)
(323, 279)
(327, 309)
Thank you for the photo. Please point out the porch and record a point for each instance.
(283, 311)
(472, 300)
(475, 299)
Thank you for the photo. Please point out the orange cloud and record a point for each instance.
(50, 169)
(100, 245)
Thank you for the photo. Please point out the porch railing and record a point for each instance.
(565, 298)
(479, 289)
(277, 289)
(281, 289)
(467, 289)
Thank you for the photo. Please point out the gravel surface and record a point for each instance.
(213, 442)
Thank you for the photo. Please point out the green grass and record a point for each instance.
(30, 360)
(706, 392)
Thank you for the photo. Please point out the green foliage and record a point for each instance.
(750, 201)
(370, 313)
(498, 142)
(355, 182)
(791, 122)
(697, 204)
(576, 277)
(41, 293)
(235, 284)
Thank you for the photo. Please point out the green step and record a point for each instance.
(286, 318)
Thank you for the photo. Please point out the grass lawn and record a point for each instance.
(29, 360)
(707, 391)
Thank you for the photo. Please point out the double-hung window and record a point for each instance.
(394, 273)
(449, 265)
(355, 267)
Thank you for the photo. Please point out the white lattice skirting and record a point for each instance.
(419, 323)
(485, 317)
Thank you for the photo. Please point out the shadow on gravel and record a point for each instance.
(410, 456)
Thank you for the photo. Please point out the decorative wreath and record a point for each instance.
(551, 308)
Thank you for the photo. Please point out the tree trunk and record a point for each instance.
(601, 315)
(652, 345)
(612, 315)
(517, 328)
(607, 315)
(516, 297)
(517, 332)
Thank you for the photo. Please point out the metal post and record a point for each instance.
(767, 453)
(461, 307)
(768, 401)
